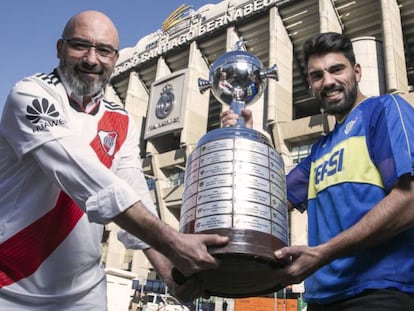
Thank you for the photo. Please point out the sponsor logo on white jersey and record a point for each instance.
(43, 115)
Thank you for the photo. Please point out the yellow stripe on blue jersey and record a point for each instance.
(348, 161)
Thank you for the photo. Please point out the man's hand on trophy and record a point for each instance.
(229, 118)
(184, 288)
(183, 279)
(190, 252)
(191, 289)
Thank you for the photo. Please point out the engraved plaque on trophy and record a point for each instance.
(235, 186)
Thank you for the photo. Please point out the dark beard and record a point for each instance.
(345, 106)
(80, 87)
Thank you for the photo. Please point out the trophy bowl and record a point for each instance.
(235, 186)
(236, 75)
(237, 79)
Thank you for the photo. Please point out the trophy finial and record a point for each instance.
(239, 46)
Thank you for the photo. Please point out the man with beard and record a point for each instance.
(69, 164)
(357, 187)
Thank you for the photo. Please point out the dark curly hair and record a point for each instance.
(327, 42)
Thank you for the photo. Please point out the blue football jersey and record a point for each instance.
(347, 173)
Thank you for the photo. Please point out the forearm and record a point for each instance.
(140, 222)
(392, 215)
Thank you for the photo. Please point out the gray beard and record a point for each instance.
(79, 87)
(84, 88)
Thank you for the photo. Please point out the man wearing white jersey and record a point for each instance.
(69, 164)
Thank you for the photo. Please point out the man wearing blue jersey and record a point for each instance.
(357, 187)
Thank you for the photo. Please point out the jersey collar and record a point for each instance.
(76, 101)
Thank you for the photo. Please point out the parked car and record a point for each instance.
(162, 302)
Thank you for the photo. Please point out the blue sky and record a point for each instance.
(30, 28)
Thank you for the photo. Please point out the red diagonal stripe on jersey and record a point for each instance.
(22, 254)
(111, 121)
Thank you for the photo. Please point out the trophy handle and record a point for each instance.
(270, 73)
(203, 85)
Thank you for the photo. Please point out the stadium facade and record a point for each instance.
(156, 81)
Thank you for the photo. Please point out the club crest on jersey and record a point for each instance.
(108, 141)
(349, 126)
(43, 115)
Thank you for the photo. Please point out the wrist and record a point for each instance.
(170, 238)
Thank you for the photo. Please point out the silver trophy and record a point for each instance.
(237, 79)
(235, 186)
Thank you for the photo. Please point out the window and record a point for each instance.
(300, 152)
(176, 178)
(150, 183)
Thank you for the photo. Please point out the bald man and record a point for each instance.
(70, 164)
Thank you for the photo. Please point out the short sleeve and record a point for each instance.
(297, 182)
(391, 139)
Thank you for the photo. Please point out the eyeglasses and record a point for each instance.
(81, 46)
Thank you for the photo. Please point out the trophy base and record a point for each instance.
(245, 266)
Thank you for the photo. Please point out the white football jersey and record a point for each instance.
(63, 174)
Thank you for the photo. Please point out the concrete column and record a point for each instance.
(140, 265)
(280, 53)
(196, 61)
(136, 101)
(162, 68)
(231, 39)
(111, 95)
(369, 54)
(196, 112)
(115, 255)
(280, 95)
(115, 251)
(396, 72)
(160, 184)
(329, 20)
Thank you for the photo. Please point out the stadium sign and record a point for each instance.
(184, 26)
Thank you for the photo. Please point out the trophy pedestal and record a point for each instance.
(235, 186)
(246, 265)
